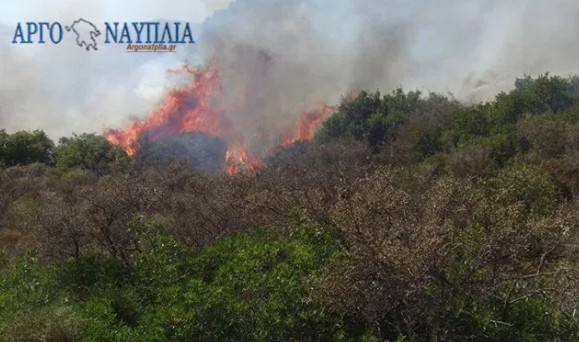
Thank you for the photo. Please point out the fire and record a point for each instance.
(188, 109)
(185, 109)
(307, 124)
(237, 159)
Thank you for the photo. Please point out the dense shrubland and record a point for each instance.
(406, 218)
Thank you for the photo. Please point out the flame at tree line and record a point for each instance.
(307, 124)
(187, 109)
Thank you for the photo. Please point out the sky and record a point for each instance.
(279, 57)
(63, 89)
(101, 10)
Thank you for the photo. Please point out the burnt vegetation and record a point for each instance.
(407, 217)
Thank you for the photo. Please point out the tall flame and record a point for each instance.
(188, 109)
(184, 109)
(307, 124)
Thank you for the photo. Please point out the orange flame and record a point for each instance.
(307, 124)
(185, 109)
(237, 159)
(188, 109)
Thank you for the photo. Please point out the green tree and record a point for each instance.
(24, 147)
(86, 151)
(352, 119)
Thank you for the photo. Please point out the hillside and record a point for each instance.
(406, 217)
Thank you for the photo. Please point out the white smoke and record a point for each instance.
(279, 57)
(63, 88)
(292, 54)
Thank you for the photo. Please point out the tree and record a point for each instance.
(352, 119)
(24, 147)
(86, 151)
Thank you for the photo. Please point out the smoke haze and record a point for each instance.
(278, 58)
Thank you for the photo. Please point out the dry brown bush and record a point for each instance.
(471, 161)
(308, 178)
(547, 138)
(414, 242)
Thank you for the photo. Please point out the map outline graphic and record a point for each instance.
(81, 39)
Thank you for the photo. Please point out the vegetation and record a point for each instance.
(87, 151)
(407, 218)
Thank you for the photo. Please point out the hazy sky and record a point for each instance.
(64, 89)
(279, 56)
(110, 10)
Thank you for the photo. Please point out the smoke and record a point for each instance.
(279, 58)
(64, 89)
